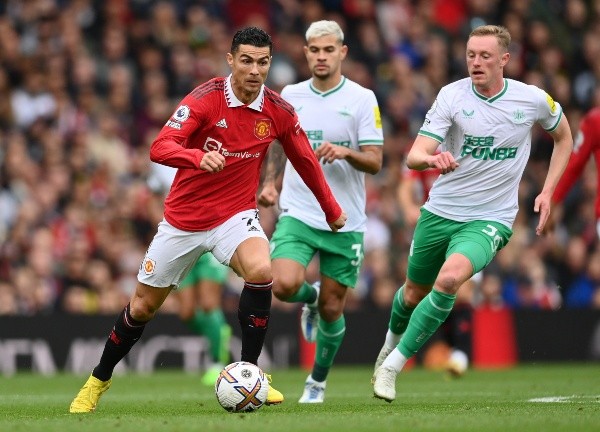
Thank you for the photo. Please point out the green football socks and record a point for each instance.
(306, 294)
(427, 317)
(400, 313)
(329, 340)
(214, 327)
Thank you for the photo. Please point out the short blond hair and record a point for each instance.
(501, 33)
(325, 28)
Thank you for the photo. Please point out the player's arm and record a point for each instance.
(563, 146)
(369, 159)
(275, 164)
(406, 199)
(422, 155)
(167, 149)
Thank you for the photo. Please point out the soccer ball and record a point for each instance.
(458, 363)
(241, 386)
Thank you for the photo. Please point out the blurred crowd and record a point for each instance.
(85, 86)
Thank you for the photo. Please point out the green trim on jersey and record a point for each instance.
(373, 142)
(431, 135)
(493, 98)
(557, 121)
(436, 238)
(340, 253)
(206, 268)
(328, 92)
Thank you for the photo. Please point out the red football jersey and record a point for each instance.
(587, 142)
(212, 118)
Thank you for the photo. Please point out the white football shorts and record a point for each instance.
(173, 252)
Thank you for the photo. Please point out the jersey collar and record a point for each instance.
(492, 98)
(233, 101)
(328, 92)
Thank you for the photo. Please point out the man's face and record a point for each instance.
(485, 61)
(249, 68)
(324, 56)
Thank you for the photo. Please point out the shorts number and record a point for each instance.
(497, 240)
(357, 248)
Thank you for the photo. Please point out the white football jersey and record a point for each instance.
(491, 140)
(346, 115)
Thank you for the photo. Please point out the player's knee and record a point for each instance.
(259, 272)
(284, 288)
(448, 282)
(413, 294)
(142, 309)
(331, 310)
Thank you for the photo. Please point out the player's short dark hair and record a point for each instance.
(251, 36)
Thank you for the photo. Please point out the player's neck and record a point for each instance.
(326, 84)
(492, 89)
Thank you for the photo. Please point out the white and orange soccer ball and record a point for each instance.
(241, 387)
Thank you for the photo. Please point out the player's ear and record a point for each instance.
(344, 51)
(229, 58)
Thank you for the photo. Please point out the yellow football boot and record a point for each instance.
(274, 397)
(89, 395)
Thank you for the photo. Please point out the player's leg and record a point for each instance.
(471, 247)
(158, 274)
(425, 258)
(292, 249)
(126, 332)
(330, 335)
(341, 256)
(241, 243)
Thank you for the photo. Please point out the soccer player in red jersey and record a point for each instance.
(587, 143)
(217, 138)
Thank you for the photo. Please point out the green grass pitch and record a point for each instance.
(527, 398)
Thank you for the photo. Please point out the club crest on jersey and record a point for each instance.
(182, 113)
(148, 265)
(262, 128)
(519, 117)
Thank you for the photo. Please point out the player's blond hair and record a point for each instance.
(324, 28)
(501, 33)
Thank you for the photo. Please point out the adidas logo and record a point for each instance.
(252, 228)
(222, 123)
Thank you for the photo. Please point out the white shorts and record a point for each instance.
(173, 252)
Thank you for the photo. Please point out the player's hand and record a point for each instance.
(339, 222)
(268, 195)
(212, 162)
(542, 206)
(443, 161)
(328, 153)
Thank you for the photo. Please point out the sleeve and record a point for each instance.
(370, 131)
(582, 150)
(169, 146)
(549, 111)
(438, 119)
(300, 154)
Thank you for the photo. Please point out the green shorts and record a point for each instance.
(436, 238)
(340, 254)
(206, 268)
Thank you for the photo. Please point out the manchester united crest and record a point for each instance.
(148, 266)
(262, 128)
